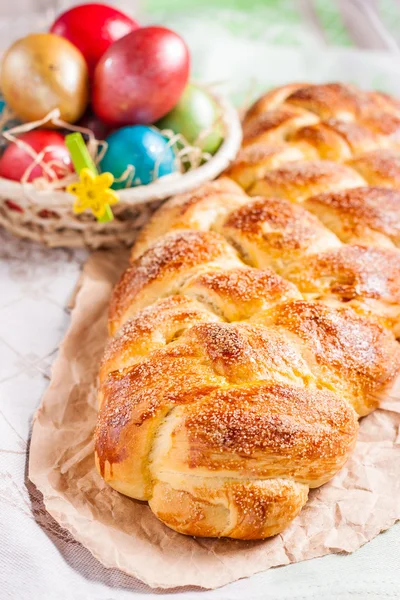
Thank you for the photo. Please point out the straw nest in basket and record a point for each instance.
(41, 211)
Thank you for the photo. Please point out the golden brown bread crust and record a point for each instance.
(368, 278)
(207, 358)
(195, 210)
(239, 293)
(243, 509)
(255, 160)
(252, 332)
(152, 328)
(166, 265)
(134, 404)
(336, 140)
(380, 167)
(275, 125)
(344, 350)
(386, 103)
(384, 125)
(271, 232)
(352, 272)
(364, 215)
(272, 100)
(244, 352)
(266, 431)
(296, 181)
(322, 141)
(340, 101)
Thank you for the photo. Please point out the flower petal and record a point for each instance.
(74, 188)
(110, 197)
(78, 207)
(104, 181)
(87, 177)
(98, 209)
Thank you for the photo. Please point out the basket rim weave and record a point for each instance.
(158, 190)
(61, 227)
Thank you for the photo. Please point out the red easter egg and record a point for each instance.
(16, 159)
(141, 77)
(93, 28)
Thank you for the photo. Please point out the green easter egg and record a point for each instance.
(196, 112)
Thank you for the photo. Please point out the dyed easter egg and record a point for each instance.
(197, 116)
(140, 77)
(92, 28)
(142, 147)
(99, 129)
(41, 72)
(17, 158)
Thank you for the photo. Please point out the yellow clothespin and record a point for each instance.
(93, 190)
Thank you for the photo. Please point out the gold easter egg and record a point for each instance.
(41, 72)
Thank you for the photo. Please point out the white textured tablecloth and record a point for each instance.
(38, 560)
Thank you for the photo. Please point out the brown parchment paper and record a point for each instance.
(361, 501)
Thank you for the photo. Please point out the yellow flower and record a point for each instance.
(93, 191)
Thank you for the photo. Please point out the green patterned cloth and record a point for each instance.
(282, 21)
(246, 46)
(364, 23)
(389, 14)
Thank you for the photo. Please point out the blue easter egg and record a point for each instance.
(142, 147)
(5, 125)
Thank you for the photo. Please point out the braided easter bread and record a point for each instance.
(251, 331)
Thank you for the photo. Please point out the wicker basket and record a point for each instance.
(47, 216)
